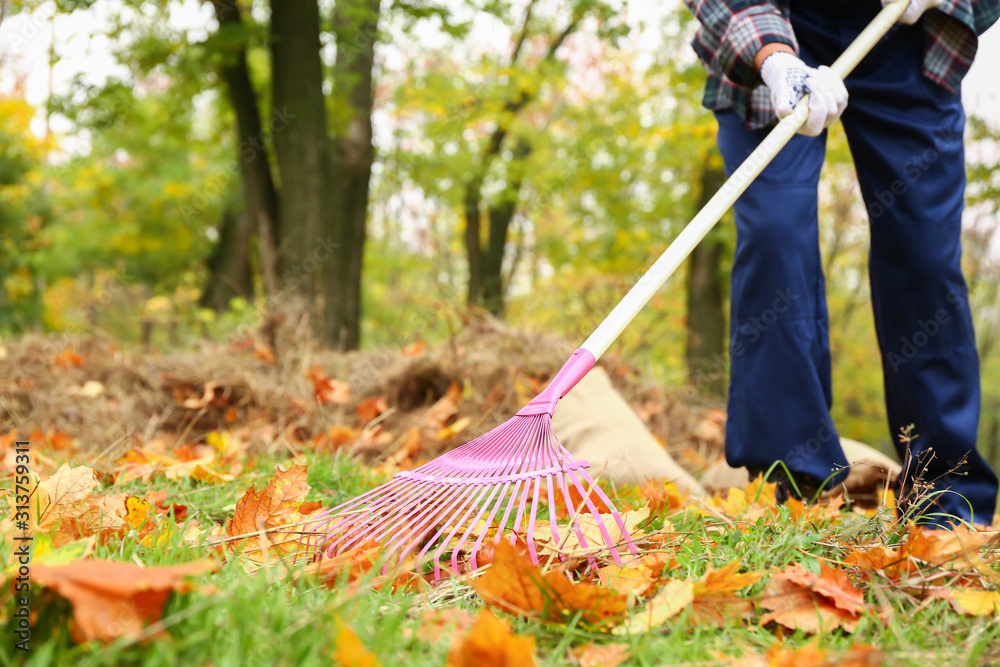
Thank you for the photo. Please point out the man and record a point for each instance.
(904, 124)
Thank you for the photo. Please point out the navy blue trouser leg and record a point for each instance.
(905, 134)
(779, 388)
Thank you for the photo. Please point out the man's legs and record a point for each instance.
(905, 134)
(779, 389)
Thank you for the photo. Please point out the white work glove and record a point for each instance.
(915, 9)
(788, 79)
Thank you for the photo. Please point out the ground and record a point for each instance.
(168, 494)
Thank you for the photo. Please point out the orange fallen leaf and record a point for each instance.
(413, 348)
(309, 507)
(715, 599)
(513, 583)
(639, 576)
(370, 408)
(114, 599)
(955, 549)
(263, 352)
(601, 655)
(286, 491)
(799, 607)
(349, 651)
(663, 497)
(491, 643)
(67, 358)
(327, 390)
(810, 655)
(831, 583)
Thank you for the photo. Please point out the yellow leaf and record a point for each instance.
(453, 429)
(973, 603)
(137, 511)
(671, 600)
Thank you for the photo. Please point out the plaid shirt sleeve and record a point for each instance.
(953, 36)
(732, 33)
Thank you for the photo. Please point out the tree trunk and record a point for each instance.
(501, 215)
(485, 286)
(307, 229)
(229, 265)
(259, 193)
(473, 243)
(706, 318)
(355, 25)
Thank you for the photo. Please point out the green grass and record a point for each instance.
(262, 619)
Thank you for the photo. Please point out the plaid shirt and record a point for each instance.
(732, 31)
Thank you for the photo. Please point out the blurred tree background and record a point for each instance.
(383, 165)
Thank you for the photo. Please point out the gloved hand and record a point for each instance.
(788, 79)
(915, 9)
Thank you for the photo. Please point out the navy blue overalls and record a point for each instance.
(905, 135)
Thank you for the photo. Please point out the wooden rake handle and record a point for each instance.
(712, 212)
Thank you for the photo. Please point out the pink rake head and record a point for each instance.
(476, 488)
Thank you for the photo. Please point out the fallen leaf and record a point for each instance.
(213, 395)
(800, 608)
(831, 583)
(453, 429)
(663, 497)
(973, 603)
(955, 549)
(326, 390)
(67, 358)
(601, 655)
(672, 599)
(413, 348)
(63, 495)
(449, 622)
(513, 583)
(348, 650)
(286, 491)
(715, 599)
(263, 352)
(137, 512)
(810, 655)
(638, 576)
(490, 643)
(370, 408)
(115, 599)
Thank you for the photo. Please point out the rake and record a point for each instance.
(497, 482)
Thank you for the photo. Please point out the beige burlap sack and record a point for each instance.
(870, 469)
(596, 424)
